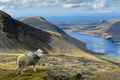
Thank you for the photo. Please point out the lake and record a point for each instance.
(94, 44)
(98, 44)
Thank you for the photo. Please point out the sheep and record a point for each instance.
(30, 59)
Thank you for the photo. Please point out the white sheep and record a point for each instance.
(30, 59)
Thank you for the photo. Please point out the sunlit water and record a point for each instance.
(97, 44)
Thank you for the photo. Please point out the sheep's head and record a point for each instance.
(39, 53)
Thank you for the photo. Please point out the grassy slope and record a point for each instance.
(65, 57)
(92, 68)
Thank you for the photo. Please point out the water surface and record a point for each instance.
(98, 44)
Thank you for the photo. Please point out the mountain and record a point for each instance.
(17, 35)
(111, 28)
(41, 23)
(31, 33)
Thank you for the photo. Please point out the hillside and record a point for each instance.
(41, 23)
(33, 30)
(66, 58)
(21, 37)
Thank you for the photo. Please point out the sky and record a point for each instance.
(59, 7)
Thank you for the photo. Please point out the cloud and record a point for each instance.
(93, 5)
(4, 1)
(67, 4)
(99, 4)
(71, 5)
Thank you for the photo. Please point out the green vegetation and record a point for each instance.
(61, 65)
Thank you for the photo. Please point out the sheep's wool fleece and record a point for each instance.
(32, 58)
(22, 58)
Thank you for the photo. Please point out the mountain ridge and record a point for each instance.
(26, 35)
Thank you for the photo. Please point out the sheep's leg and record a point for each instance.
(34, 68)
(19, 70)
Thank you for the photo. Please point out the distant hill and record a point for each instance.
(107, 29)
(31, 33)
(40, 23)
(112, 28)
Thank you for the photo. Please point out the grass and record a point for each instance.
(28, 75)
(79, 62)
(110, 75)
(54, 33)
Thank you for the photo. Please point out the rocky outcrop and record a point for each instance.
(33, 33)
